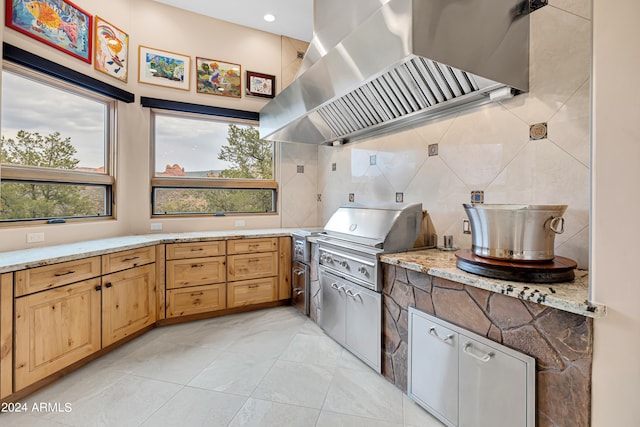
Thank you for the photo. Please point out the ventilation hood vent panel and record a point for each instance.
(403, 64)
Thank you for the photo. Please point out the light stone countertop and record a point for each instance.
(568, 296)
(45, 255)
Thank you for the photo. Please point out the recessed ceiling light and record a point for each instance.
(269, 17)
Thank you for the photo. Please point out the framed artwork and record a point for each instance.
(162, 68)
(218, 78)
(58, 23)
(111, 52)
(259, 84)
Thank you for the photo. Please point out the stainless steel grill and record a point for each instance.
(351, 276)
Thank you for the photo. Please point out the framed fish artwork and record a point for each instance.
(111, 50)
(58, 23)
(162, 68)
(218, 78)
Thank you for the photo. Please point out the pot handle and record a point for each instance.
(556, 224)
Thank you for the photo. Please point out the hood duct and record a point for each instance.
(400, 64)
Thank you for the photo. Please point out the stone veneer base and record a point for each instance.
(561, 342)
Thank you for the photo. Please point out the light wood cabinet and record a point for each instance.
(54, 329)
(6, 334)
(128, 302)
(127, 259)
(284, 269)
(252, 266)
(249, 292)
(195, 250)
(196, 271)
(50, 276)
(196, 299)
(249, 246)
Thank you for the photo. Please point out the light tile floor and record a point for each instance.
(271, 367)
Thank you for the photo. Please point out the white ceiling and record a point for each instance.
(294, 18)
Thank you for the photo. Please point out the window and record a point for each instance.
(208, 165)
(55, 149)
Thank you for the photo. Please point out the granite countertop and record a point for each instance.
(45, 255)
(568, 296)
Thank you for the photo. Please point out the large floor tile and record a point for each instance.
(267, 343)
(194, 407)
(26, 419)
(319, 350)
(262, 413)
(234, 373)
(334, 419)
(127, 402)
(300, 384)
(365, 394)
(167, 361)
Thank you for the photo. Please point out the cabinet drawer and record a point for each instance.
(50, 276)
(128, 259)
(249, 246)
(195, 250)
(196, 299)
(196, 271)
(251, 292)
(252, 266)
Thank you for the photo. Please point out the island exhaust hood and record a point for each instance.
(373, 69)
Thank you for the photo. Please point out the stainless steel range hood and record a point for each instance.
(374, 69)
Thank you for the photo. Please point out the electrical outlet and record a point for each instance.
(240, 223)
(466, 227)
(156, 226)
(433, 150)
(35, 237)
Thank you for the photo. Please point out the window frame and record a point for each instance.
(208, 183)
(41, 175)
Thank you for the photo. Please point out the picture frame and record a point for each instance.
(214, 77)
(111, 50)
(57, 23)
(163, 68)
(259, 84)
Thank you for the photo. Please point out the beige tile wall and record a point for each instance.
(488, 148)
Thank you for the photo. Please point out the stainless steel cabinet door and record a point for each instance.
(333, 306)
(493, 387)
(433, 367)
(364, 324)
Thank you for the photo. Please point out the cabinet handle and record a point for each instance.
(197, 294)
(108, 285)
(65, 273)
(130, 259)
(336, 287)
(298, 291)
(484, 358)
(253, 286)
(197, 249)
(445, 340)
(253, 260)
(352, 295)
(299, 272)
(197, 265)
(98, 288)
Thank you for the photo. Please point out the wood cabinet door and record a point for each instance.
(54, 329)
(123, 260)
(249, 246)
(251, 292)
(196, 299)
(197, 271)
(252, 266)
(285, 281)
(128, 302)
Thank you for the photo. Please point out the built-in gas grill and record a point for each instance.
(351, 275)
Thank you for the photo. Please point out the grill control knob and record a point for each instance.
(362, 271)
(344, 264)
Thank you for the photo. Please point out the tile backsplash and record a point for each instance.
(487, 149)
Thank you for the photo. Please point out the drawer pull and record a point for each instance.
(197, 294)
(98, 288)
(255, 245)
(445, 340)
(253, 286)
(108, 285)
(65, 273)
(197, 249)
(130, 259)
(483, 358)
(197, 265)
(253, 260)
